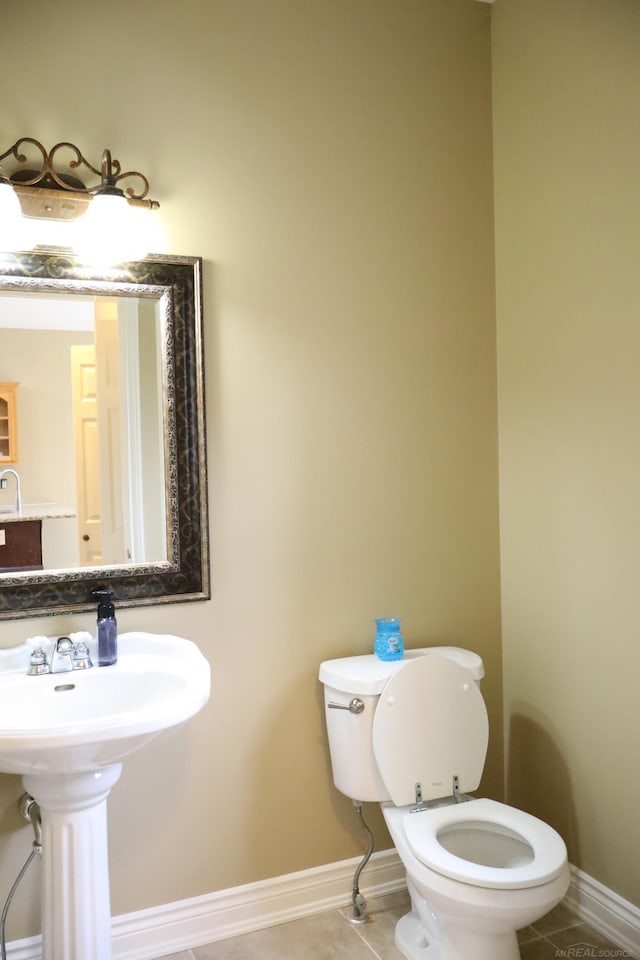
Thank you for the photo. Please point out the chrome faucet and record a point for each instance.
(69, 653)
(62, 659)
(3, 484)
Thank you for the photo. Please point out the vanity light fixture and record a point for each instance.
(101, 221)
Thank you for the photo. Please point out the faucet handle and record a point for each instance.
(81, 656)
(38, 663)
(36, 642)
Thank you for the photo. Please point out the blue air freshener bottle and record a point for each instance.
(388, 644)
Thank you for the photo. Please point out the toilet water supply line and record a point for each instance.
(359, 902)
(30, 812)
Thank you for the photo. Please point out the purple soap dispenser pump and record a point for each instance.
(107, 629)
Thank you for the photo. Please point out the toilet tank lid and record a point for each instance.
(367, 675)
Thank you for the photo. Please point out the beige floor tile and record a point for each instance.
(557, 919)
(324, 937)
(539, 949)
(585, 936)
(329, 936)
(527, 934)
(378, 932)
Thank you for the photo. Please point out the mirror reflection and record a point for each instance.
(102, 433)
(88, 429)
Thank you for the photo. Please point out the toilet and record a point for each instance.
(412, 734)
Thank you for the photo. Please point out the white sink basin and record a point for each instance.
(85, 719)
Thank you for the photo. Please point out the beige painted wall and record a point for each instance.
(567, 145)
(331, 161)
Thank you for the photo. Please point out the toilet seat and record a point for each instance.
(430, 725)
(545, 859)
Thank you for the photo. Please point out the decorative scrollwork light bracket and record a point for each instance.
(48, 185)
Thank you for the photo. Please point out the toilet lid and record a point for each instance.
(536, 853)
(430, 725)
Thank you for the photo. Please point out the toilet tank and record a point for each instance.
(355, 772)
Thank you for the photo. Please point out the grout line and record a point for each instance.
(356, 930)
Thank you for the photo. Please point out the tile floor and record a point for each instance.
(328, 936)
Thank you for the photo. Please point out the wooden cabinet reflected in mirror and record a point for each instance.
(20, 546)
(8, 427)
(111, 424)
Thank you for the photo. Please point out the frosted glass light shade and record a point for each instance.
(112, 231)
(12, 232)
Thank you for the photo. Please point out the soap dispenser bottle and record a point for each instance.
(107, 629)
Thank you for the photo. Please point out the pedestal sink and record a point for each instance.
(66, 734)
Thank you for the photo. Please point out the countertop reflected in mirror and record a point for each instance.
(36, 511)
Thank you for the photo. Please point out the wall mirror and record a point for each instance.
(109, 445)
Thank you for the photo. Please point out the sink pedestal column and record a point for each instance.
(76, 908)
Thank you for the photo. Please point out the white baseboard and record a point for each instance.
(606, 911)
(170, 928)
(253, 906)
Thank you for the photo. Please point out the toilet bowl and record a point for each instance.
(477, 870)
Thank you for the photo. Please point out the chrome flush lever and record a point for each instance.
(354, 706)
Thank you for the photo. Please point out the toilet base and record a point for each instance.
(411, 941)
(456, 944)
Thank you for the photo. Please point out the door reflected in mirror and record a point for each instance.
(90, 416)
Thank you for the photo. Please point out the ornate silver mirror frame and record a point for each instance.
(176, 283)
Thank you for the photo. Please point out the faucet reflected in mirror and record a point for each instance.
(3, 485)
